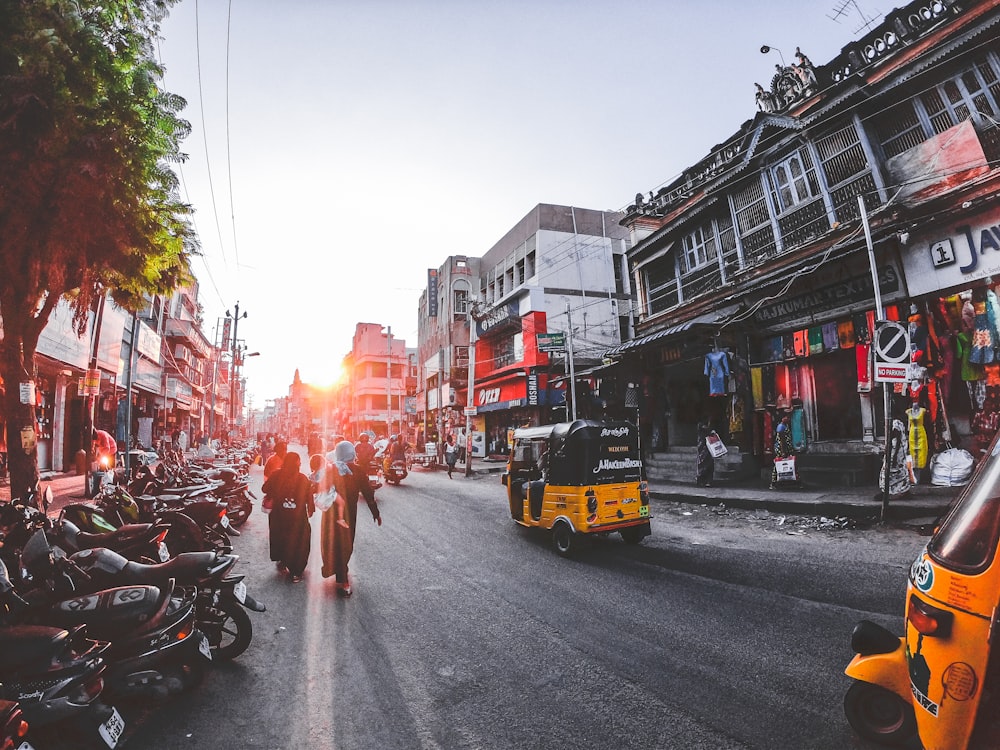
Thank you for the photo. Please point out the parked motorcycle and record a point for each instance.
(222, 599)
(155, 648)
(56, 677)
(939, 682)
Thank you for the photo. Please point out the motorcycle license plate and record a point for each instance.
(111, 730)
(225, 522)
(163, 552)
(240, 591)
(205, 647)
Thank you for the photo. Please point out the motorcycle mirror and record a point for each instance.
(47, 497)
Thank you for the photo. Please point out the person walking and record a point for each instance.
(706, 461)
(288, 523)
(339, 522)
(899, 472)
(450, 454)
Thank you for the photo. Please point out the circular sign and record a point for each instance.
(960, 681)
(892, 343)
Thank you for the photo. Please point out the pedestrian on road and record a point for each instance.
(782, 444)
(339, 523)
(288, 523)
(706, 461)
(899, 472)
(451, 454)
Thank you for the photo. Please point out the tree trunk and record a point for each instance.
(17, 367)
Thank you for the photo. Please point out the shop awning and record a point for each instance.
(705, 321)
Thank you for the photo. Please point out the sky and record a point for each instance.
(340, 149)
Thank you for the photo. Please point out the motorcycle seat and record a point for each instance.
(26, 645)
(184, 567)
(111, 613)
(126, 533)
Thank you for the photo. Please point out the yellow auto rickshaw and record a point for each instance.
(578, 479)
(940, 681)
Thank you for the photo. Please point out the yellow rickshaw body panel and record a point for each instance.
(947, 672)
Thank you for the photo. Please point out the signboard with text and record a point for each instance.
(551, 342)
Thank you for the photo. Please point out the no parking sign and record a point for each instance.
(892, 352)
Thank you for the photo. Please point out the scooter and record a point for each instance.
(395, 472)
(220, 606)
(13, 727)
(155, 648)
(56, 676)
(940, 681)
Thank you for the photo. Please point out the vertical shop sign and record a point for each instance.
(26, 391)
(533, 389)
(432, 293)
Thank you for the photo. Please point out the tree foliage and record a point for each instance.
(88, 201)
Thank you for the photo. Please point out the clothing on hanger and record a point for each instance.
(717, 370)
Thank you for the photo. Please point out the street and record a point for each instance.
(722, 630)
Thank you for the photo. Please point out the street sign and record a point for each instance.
(892, 352)
(470, 411)
(551, 342)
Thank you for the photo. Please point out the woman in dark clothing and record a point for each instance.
(340, 521)
(706, 462)
(288, 522)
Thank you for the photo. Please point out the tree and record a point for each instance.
(88, 201)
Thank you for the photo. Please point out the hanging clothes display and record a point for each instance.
(801, 339)
(862, 353)
(717, 370)
(918, 435)
(757, 386)
(797, 423)
(845, 333)
(983, 333)
(830, 339)
(816, 340)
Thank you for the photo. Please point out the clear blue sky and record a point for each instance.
(339, 149)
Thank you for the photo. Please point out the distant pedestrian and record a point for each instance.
(706, 461)
(450, 454)
(288, 524)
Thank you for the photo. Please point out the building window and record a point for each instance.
(699, 248)
(794, 180)
(461, 306)
(972, 94)
(661, 286)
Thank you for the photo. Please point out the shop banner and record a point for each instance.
(953, 254)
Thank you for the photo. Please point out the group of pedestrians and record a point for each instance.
(337, 482)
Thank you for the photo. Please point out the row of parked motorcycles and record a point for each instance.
(130, 597)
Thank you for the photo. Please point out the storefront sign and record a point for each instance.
(533, 389)
(489, 396)
(954, 255)
(551, 342)
(432, 293)
(504, 395)
(26, 392)
(837, 297)
(497, 319)
(148, 342)
(92, 383)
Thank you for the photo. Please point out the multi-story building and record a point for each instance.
(760, 251)
(374, 395)
(443, 344)
(558, 265)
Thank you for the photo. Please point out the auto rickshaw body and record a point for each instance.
(941, 679)
(577, 479)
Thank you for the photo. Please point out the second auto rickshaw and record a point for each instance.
(939, 681)
(577, 479)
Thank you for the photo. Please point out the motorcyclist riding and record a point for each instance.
(365, 452)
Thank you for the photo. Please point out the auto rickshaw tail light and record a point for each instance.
(591, 501)
(644, 492)
(927, 619)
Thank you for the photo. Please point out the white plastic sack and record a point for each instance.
(951, 467)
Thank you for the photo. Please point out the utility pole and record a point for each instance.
(233, 386)
(469, 399)
(388, 383)
(569, 355)
(88, 417)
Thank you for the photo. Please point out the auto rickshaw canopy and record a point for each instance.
(587, 452)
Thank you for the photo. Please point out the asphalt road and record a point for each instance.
(723, 630)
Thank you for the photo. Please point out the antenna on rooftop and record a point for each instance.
(845, 8)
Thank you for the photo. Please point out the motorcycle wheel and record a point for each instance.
(879, 715)
(239, 510)
(228, 628)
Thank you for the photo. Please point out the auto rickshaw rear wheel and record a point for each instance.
(880, 715)
(563, 539)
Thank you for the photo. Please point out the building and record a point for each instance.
(374, 395)
(558, 264)
(759, 251)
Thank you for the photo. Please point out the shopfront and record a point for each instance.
(953, 276)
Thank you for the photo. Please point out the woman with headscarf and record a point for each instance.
(288, 523)
(340, 521)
